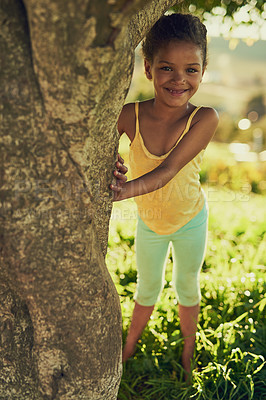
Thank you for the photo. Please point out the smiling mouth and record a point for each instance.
(175, 92)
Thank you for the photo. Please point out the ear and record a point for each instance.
(147, 67)
(203, 71)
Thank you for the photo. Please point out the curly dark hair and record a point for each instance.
(183, 27)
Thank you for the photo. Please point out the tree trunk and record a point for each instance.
(66, 69)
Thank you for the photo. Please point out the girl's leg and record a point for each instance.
(151, 252)
(189, 244)
(140, 318)
(188, 324)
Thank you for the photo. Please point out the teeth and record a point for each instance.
(176, 91)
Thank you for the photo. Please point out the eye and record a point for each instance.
(192, 70)
(166, 68)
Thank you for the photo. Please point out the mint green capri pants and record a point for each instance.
(188, 251)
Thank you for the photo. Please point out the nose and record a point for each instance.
(178, 77)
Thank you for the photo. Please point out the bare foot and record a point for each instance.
(128, 351)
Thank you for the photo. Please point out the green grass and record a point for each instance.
(230, 346)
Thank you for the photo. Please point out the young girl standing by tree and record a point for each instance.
(168, 136)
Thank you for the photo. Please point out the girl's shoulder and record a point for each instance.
(205, 121)
(206, 114)
(127, 121)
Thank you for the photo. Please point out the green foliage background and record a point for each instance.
(230, 6)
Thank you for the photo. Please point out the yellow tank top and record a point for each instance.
(169, 208)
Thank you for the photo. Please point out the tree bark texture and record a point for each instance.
(66, 69)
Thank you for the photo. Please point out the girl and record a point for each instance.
(168, 136)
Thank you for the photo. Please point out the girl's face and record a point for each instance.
(176, 72)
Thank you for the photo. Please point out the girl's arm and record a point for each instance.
(189, 146)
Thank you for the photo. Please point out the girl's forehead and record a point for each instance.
(178, 45)
(174, 48)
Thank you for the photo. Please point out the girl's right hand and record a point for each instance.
(120, 180)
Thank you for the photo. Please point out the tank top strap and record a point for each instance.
(137, 117)
(187, 127)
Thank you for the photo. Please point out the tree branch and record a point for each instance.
(143, 20)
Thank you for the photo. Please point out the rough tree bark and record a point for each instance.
(66, 68)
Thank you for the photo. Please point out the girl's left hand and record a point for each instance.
(120, 180)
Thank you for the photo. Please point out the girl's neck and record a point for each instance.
(164, 112)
